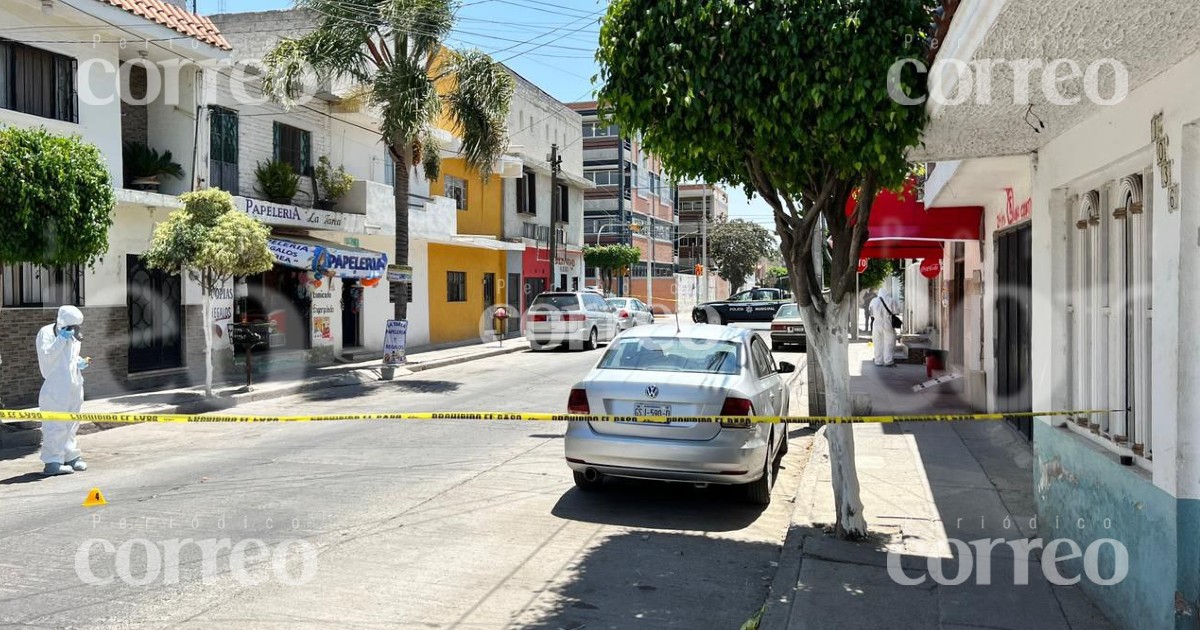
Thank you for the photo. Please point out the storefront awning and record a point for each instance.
(902, 216)
(314, 254)
(889, 249)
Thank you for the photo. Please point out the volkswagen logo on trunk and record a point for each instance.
(652, 391)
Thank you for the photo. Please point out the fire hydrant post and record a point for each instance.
(500, 326)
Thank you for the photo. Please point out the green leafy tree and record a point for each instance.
(777, 271)
(735, 249)
(789, 99)
(214, 243)
(610, 259)
(394, 50)
(56, 199)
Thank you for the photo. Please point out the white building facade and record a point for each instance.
(1082, 290)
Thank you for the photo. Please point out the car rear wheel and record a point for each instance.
(581, 481)
(759, 492)
(593, 340)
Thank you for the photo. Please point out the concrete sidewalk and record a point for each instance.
(923, 485)
(231, 393)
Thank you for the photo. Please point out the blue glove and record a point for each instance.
(66, 334)
(83, 364)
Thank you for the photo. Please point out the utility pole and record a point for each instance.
(704, 240)
(555, 201)
(650, 267)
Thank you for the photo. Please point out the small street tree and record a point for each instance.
(395, 50)
(57, 199)
(789, 99)
(610, 259)
(735, 249)
(214, 243)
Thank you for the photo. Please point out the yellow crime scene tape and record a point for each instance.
(132, 418)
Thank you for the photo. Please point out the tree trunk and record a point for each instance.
(400, 189)
(829, 340)
(208, 340)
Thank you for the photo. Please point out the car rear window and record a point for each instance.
(560, 301)
(617, 302)
(788, 310)
(672, 354)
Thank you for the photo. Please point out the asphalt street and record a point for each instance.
(440, 524)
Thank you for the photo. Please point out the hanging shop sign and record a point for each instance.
(295, 216)
(931, 267)
(328, 261)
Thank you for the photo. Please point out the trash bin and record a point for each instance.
(935, 361)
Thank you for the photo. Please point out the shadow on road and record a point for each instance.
(658, 505)
(29, 477)
(662, 580)
(416, 386)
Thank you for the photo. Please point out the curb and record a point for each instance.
(361, 376)
(782, 596)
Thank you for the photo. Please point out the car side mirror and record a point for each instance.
(786, 368)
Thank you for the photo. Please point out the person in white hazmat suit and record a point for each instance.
(58, 357)
(882, 333)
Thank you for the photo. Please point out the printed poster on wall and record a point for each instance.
(322, 328)
(394, 339)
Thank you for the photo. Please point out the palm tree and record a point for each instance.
(394, 50)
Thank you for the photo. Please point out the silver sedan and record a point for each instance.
(698, 370)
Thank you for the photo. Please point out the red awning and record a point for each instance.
(901, 248)
(901, 216)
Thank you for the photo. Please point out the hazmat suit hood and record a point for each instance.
(69, 316)
(883, 294)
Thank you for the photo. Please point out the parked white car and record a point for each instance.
(581, 319)
(631, 312)
(699, 370)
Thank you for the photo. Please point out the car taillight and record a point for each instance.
(574, 317)
(623, 314)
(737, 407)
(537, 317)
(779, 327)
(578, 402)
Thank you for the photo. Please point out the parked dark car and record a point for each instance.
(754, 305)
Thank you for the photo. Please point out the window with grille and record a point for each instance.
(1110, 310)
(27, 285)
(456, 286)
(38, 82)
(293, 146)
(223, 149)
(456, 189)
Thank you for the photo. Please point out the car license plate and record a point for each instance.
(652, 409)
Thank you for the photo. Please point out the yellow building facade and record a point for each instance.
(465, 280)
(463, 283)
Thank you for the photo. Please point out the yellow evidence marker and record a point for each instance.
(94, 498)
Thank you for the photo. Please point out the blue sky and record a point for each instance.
(549, 42)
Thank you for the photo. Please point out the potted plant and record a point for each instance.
(145, 166)
(332, 183)
(277, 181)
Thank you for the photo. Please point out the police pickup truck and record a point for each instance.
(756, 305)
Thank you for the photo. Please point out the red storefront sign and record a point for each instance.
(931, 267)
(1014, 214)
